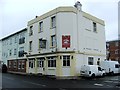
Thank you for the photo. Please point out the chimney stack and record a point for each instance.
(78, 5)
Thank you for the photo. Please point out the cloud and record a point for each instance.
(14, 14)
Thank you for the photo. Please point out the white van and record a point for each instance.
(111, 67)
(91, 71)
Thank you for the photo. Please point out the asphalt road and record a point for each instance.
(13, 81)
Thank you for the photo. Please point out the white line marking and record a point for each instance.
(35, 83)
(62, 89)
(98, 84)
(108, 81)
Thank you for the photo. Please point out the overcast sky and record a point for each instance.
(14, 14)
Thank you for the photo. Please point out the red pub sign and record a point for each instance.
(66, 41)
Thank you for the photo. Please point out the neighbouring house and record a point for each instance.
(62, 40)
(13, 47)
(113, 50)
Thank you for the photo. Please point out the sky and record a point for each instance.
(14, 14)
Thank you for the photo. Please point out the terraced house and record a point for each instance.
(63, 39)
(13, 47)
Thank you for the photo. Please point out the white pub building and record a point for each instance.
(62, 40)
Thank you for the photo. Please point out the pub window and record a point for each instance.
(51, 62)
(66, 60)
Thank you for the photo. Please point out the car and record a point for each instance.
(4, 68)
(91, 71)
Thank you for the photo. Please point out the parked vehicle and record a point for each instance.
(4, 68)
(91, 71)
(111, 67)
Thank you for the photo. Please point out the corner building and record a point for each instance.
(62, 40)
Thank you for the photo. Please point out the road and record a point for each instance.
(13, 81)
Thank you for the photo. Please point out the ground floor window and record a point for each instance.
(40, 63)
(15, 64)
(66, 60)
(90, 60)
(32, 63)
(23, 64)
(19, 65)
(51, 62)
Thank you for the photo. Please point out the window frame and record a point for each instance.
(52, 62)
(53, 41)
(31, 31)
(66, 61)
(30, 45)
(40, 26)
(53, 22)
(94, 27)
(42, 44)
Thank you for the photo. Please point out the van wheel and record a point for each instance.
(103, 74)
(112, 73)
(93, 75)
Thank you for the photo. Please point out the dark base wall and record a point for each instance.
(17, 65)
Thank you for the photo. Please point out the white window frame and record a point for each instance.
(53, 40)
(41, 26)
(66, 60)
(30, 45)
(31, 31)
(40, 63)
(53, 22)
(15, 51)
(42, 43)
(94, 27)
(52, 62)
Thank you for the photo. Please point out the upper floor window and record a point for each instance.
(90, 60)
(15, 39)
(53, 41)
(42, 43)
(15, 51)
(30, 45)
(10, 52)
(94, 27)
(53, 22)
(41, 26)
(31, 31)
(22, 40)
(21, 52)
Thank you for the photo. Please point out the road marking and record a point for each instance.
(98, 84)
(108, 81)
(35, 83)
(115, 82)
(62, 89)
(109, 86)
(8, 78)
(114, 79)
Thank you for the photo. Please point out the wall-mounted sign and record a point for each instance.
(65, 41)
